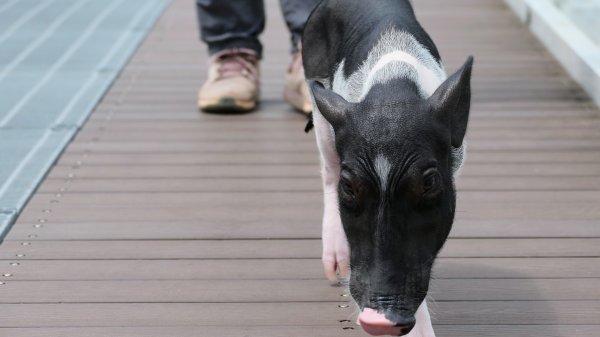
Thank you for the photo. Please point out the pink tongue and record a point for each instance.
(376, 324)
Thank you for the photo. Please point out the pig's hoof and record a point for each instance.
(336, 270)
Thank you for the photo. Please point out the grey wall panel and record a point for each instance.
(57, 59)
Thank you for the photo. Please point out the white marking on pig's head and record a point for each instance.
(382, 168)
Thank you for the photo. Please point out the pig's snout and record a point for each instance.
(376, 324)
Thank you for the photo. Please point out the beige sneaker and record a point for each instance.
(233, 82)
(295, 91)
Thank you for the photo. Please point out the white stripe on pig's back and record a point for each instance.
(397, 54)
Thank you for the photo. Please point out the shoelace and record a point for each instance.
(236, 62)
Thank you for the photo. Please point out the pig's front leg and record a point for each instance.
(423, 327)
(335, 245)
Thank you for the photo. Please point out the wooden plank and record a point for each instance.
(546, 330)
(48, 262)
(309, 146)
(515, 88)
(260, 314)
(556, 82)
(266, 125)
(246, 248)
(167, 159)
(573, 110)
(272, 109)
(302, 198)
(553, 212)
(282, 291)
(278, 134)
(307, 170)
(308, 227)
(183, 331)
(220, 185)
(489, 111)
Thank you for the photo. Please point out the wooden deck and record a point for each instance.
(160, 221)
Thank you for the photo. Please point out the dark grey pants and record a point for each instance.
(228, 24)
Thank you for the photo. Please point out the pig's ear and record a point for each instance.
(332, 106)
(452, 100)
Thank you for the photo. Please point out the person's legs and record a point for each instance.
(296, 13)
(231, 28)
(227, 24)
(295, 91)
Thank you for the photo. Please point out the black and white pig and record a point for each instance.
(390, 128)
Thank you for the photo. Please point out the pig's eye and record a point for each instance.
(431, 182)
(349, 190)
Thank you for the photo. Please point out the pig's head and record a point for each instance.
(396, 192)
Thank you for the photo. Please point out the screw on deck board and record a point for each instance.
(7, 275)
(32, 236)
(37, 226)
(25, 243)
(20, 255)
(343, 306)
(14, 264)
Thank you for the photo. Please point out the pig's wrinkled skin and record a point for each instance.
(385, 116)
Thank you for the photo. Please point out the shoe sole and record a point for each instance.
(296, 100)
(227, 105)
